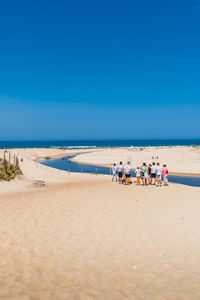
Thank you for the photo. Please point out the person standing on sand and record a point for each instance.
(145, 176)
(149, 173)
(159, 175)
(138, 174)
(114, 172)
(120, 172)
(153, 173)
(165, 174)
(127, 172)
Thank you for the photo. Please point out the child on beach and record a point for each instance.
(114, 172)
(159, 175)
(165, 174)
(145, 174)
(127, 172)
(120, 172)
(138, 174)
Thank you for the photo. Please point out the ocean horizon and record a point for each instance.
(107, 143)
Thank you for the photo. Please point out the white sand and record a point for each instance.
(183, 160)
(84, 237)
(33, 170)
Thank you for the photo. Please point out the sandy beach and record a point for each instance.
(32, 170)
(84, 237)
(99, 103)
(179, 159)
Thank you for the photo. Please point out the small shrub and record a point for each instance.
(12, 176)
(6, 177)
(2, 173)
(9, 171)
(12, 168)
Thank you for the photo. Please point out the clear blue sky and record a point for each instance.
(99, 69)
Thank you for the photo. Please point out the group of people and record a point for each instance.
(146, 174)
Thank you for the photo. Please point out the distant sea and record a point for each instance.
(92, 144)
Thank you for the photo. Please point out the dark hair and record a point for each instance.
(153, 163)
(114, 164)
(144, 164)
(158, 163)
(120, 163)
(164, 166)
